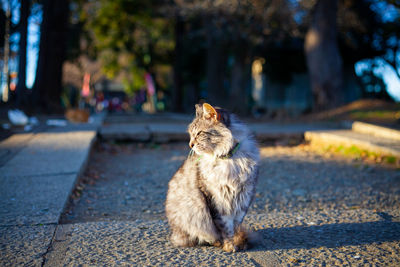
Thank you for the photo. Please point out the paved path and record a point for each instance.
(310, 209)
(37, 173)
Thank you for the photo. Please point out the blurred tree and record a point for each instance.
(2, 26)
(23, 31)
(211, 44)
(368, 32)
(177, 93)
(6, 53)
(47, 88)
(130, 38)
(373, 84)
(80, 56)
(232, 34)
(323, 57)
(389, 39)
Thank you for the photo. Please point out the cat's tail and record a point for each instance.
(244, 238)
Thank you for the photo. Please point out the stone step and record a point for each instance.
(350, 138)
(166, 132)
(375, 130)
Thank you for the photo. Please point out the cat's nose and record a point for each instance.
(191, 144)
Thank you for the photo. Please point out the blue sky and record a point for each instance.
(33, 49)
(386, 72)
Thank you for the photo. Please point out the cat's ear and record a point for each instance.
(209, 112)
(199, 110)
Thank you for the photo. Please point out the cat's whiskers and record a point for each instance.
(191, 152)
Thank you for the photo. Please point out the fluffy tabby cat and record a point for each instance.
(209, 195)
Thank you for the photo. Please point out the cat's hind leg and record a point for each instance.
(181, 239)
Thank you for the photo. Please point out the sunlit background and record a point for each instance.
(190, 50)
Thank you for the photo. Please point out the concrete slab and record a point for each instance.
(95, 121)
(264, 131)
(375, 130)
(34, 199)
(135, 132)
(350, 138)
(127, 118)
(163, 133)
(51, 153)
(12, 145)
(276, 130)
(24, 246)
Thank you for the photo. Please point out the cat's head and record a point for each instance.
(209, 131)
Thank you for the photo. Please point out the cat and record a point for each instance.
(210, 193)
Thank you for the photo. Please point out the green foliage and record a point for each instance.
(376, 115)
(358, 153)
(129, 38)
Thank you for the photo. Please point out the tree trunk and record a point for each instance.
(323, 57)
(23, 30)
(216, 64)
(177, 93)
(238, 100)
(6, 53)
(52, 52)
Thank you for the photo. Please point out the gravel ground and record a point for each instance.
(125, 182)
(310, 209)
(297, 179)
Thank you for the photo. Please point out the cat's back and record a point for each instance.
(183, 181)
(183, 194)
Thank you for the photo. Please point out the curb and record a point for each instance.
(38, 174)
(169, 132)
(339, 137)
(375, 130)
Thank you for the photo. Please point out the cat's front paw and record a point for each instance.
(229, 246)
(240, 238)
(217, 244)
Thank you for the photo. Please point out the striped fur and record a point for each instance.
(210, 193)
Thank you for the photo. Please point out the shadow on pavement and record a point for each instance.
(329, 235)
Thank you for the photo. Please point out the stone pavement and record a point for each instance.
(135, 243)
(39, 170)
(308, 210)
(37, 173)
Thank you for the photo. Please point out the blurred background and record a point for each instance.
(270, 59)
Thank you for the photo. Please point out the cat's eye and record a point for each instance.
(214, 133)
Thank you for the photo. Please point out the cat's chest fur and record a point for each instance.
(233, 171)
(227, 181)
(217, 171)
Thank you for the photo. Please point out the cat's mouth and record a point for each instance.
(195, 151)
(191, 153)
